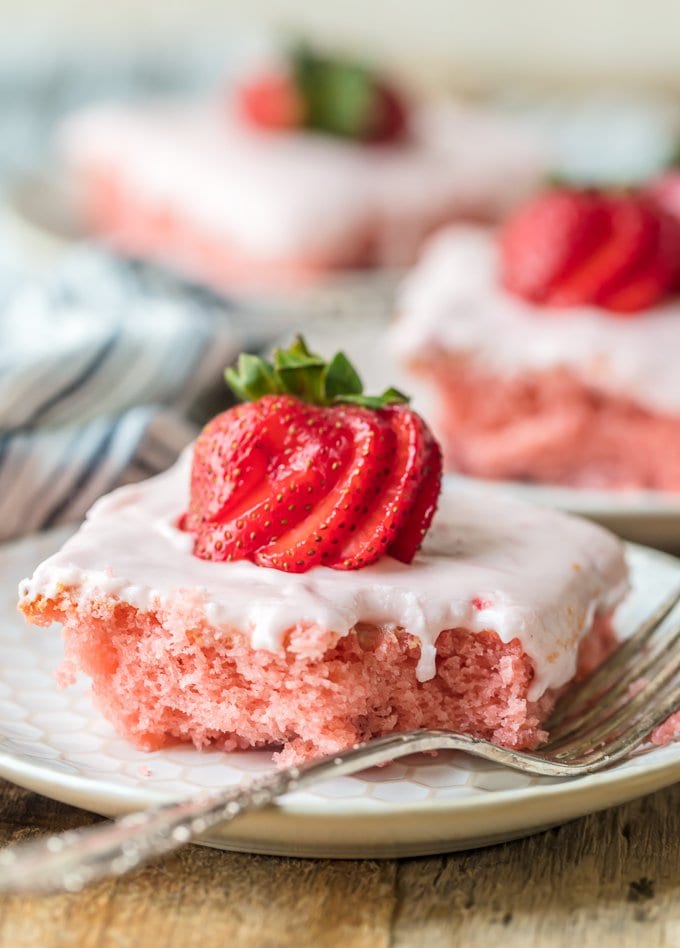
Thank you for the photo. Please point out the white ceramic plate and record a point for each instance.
(54, 742)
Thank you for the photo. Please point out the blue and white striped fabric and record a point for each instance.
(106, 370)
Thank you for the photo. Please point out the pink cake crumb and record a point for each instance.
(668, 731)
(549, 426)
(168, 677)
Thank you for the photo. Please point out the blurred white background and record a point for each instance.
(475, 44)
(600, 77)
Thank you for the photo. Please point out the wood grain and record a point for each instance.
(611, 879)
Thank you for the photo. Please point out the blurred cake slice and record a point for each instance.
(562, 370)
(196, 186)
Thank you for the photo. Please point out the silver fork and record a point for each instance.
(598, 722)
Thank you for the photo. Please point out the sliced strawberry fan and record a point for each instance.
(618, 250)
(310, 471)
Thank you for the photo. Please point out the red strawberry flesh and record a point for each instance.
(533, 265)
(273, 507)
(377, 529)
(389, 119)
(318, 538)
(570, 248)
(627, 241)
(271, 101)
(338, 479)
(416, 524)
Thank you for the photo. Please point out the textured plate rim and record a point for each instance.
(17, 765)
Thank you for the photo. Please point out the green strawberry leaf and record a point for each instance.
(339, 95)
(253, 378)
(297, 371)
(297, 353)
(341, 378)
(300, 372)
(391, 396)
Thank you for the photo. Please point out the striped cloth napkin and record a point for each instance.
(106, 370)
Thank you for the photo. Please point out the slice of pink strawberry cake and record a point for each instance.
(271, 589)
(553, 344)
(315, 166)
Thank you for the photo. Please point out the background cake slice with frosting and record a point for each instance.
(317, 166)
(553, 344)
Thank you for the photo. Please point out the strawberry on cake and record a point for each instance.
(320, 164)
(281, 585)
(553, 344)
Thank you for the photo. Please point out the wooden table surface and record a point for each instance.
(611, 879)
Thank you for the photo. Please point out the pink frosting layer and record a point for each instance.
(488, 563)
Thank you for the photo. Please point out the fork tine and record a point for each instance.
(622, 745)
(573, 723)
(582, 693)
(611, 725)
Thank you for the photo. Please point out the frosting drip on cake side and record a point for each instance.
(488, 563)
(453, 304)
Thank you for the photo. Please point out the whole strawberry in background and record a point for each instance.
(618, 250)
(326, 94)
(310, 471)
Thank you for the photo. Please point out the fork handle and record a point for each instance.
(71, 860)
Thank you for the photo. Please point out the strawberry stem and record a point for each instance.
(297, 371)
